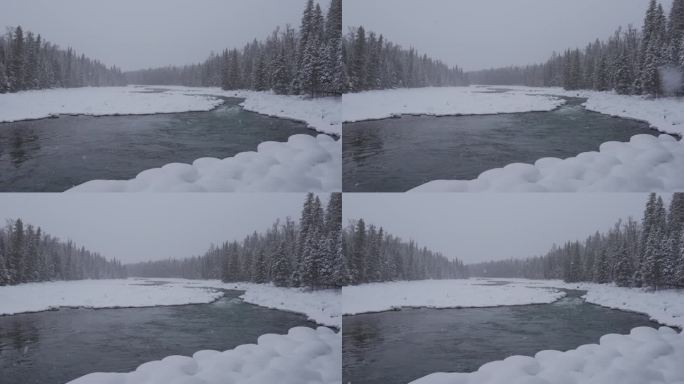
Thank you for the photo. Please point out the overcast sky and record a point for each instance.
(141, 227)
(136, 34)
(483, 227)
(477, 34)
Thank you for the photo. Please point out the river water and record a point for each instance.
(395, 155)
(397, 347)
(53, 155)
(55, 347)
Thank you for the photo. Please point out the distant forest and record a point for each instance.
(28, 255)
(308, 61)
(631, 62)
(371, 256)
(631, 254)
(305, 254)
(372, 62)
(29, 62)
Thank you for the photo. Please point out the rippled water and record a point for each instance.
(52, 155)
(395, 155)
(57, 346)
(400, 346)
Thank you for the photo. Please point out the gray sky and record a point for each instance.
(141, 227)
(136, 34)
(477, 34)
(482, 227)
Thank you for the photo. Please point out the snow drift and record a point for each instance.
(303, 164)
(304, 355)
(645, 164)
(646, 355)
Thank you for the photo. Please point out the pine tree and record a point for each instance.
(260, 75)
(17, 74)
(282, 268)
(281, 74)
(358, 66)
(624, 268)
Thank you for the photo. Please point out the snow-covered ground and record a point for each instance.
(303, 356)
(645, 164)
(98, 101)
(322, 114)
(378, 297)
(440, 101)
(646, 355)
(323, 307)
(302, 164)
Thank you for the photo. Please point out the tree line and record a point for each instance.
(27, 255)
(29, 62)
(631, 254)
(631, 62)
(308, 61)
(304, 254)
(374, 63)
(371, 255)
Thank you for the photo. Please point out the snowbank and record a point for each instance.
(646, 355)
(665, 114)
(303, 164)
(323, 114)
(35, 297)
(98, 101)
(440, 101)
(304, 355)
(380, 297)
(645, 164)
(323, 307)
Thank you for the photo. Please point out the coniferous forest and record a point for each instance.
(307, 61)
(304, 254)
(371, 255)
(631, 254)
(29, 62)
(649, 61)
(372, 62)
(27, 255)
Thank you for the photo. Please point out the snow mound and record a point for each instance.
(98, 101)
(645, 164)
(304, 355)
(378, 297)
(646, 355)
(440, 101)
(302, 164)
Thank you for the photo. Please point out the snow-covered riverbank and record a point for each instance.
(665, 306)
(440, 101)
(323, 307)
(304, 355)
(646, 355)
(378, 297)
(302, 164)
(321, 114)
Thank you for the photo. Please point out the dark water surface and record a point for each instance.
(55, 347)
(400, 346)
(52, 155)
(395, 155)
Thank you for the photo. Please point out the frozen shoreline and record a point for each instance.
(322, 307)
(303, 355)
(440, 101)
(321, 114)
(465, 293)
